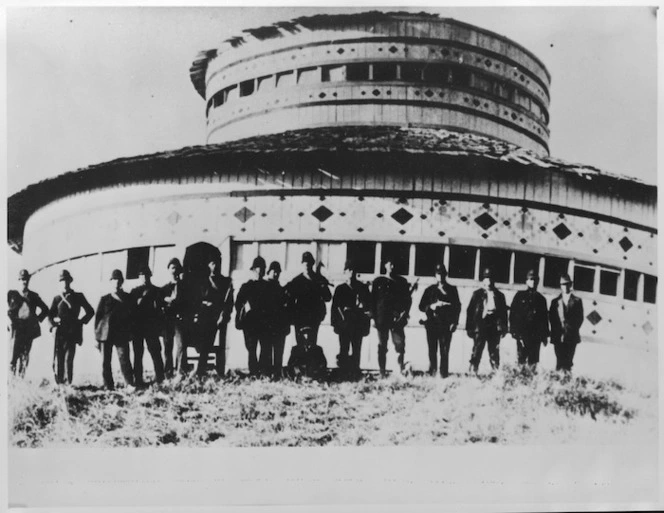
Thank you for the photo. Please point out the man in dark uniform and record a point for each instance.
(113, 329)
(351, 318)
(440, 302)
(277, 324)
(64, 317)
(529, 321)
(176, 304)
(566, 316)
(215, 305)
(147, 325)
(250, 316)
(390, 307)
(307, 294)
(24, 322)
(486, 321)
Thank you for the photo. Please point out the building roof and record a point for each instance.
(328, 141)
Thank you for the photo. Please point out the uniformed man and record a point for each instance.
(250, 312)
(215, 305)
(277, 323)
(147, 325)
(566, 317)
(24, 322)
(307, 294)
(113, 329)
(440, 302)
(486, 321)
(176, 305)
(529, 321)
(64, 316)
(390, 308)
(351, 318)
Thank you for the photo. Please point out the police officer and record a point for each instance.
(351, 318)
(250, 314)
(215, 305)
(529, 321)
(277, 324)
(147, 325)
(24, 322)
(486, 321)
(390, 303)
(566, 317)
(113, 329)
(177, 305)
(64, 316)
(440, 302)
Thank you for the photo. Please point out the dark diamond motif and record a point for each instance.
(464, 218)
(506, 222)
(244, 214)
(173, 218)
(523, 241)
(647, 327)
(281, 230)
(442, 234)
(340, 51)
(485, 221)
(625, 244)
(428, 93)
(543, 228)
(402, 216)
(393, 49)
(360, 230)
(375, 92)
(561, 231)
(379, 215)
(321, 95)
(402, 232)
(301, 214)
(594, 317)
(322, 213)
(485, 236)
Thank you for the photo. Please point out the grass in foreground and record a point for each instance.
(512, 406)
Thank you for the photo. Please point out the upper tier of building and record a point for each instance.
(390, 69)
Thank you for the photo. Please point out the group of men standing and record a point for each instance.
(186, 313)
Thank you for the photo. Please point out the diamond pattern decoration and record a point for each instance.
(173, 218)
(561, 231)
(485, 221)
(428, 93)
(375, 92)
(393, 49)
(322, 213)
(402, 216)
(594, 317)
(648, 328)
(244, 214)
(625, 244)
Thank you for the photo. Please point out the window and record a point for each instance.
(584, 277)
(265, 83)
(631, 285)
(355, 72)
(649, 288)
(427, 256)
(230, 93)
(247, 88)
(384, 71)
(481, 83)
(554, 267)
(412, 72)
(308, 76)
(498, 260)
(334, 73)
(501, 89)
(136, 258)
(332, 255)
(285, 79)
(522, 99)
(242, 255)
(524, 262)
(363, 254)
(608, 281)
(462, 262)
(437, 74)
(398, 253)
(460, 77)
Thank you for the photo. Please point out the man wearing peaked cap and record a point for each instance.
(24, 321)
(277, 324)
(250, 314)
(529, 321)
(176, 305)
(566, 318)
(486, 321)
(64, 316)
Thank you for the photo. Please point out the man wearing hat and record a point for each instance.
(566, 317)
(113, 329)
(213, 311)
(486, 321)
(250, 312)
(24, 322)
(529, 321)
(307, 294)
(351, 318)
(147, 325)
(176, 304)
(64, 316)
(390, 307)
(277, 323)
(440, 302)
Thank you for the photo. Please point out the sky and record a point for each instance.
(88, 85)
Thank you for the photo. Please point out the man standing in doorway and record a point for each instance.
(566, 316)
(529, 321)
(486, 321)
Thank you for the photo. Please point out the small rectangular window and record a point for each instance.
(481, 83)
(649, 288)
(436, 74)
(631, 285)
(285, 79)
(462, 262)
(265, 83)
(524, 262)
(363, 254)
(247, 88)
(334, 73)
(412, 72)
(608, 282)
(584, 277)
(309, 75)
(460, 77)
(136, 259)
(554, 267)
(427, 256)
(332, 255)
(384, 71)
(399, 253)
(356, 72)
(501, 89)
(498, 260)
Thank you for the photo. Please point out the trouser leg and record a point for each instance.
(25, 356)
(139, 349)
(445, 340)
(432, 342)
(168, 349)
(383, 334)
(399, 341)
(567, 356)
(16, 350)
(107, 370)
(251, 343)
(221, 351)
(560, 355)
(60, 353)
(533, 349)
(265, 359)
(279, 343)
(125, 363)
(521, 351)
(205, 345)
(493, 343)
(179, 344)
(154, 348)
(344, 347)
(69, 360)
(479, 341)
(356, 345)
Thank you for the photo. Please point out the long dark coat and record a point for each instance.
(445, 315)
(67, 308)
(113, 319)
(566, 321)
(475, 310)
(529, 316)
(391, 301)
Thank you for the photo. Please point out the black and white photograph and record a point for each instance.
(309, 245)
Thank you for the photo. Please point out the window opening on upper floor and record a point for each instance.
(631, 287)
(247, 87)
(363, 254)
(398, 253)
(357, 72)
(384, 71)
(412, 72)
(608, 281)
(333, 73)
(427, 256)
(462, 262)
(584, 276)
(136, 259)
(524, 262)
(554, 267)
(498, 260)
(649, 288)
